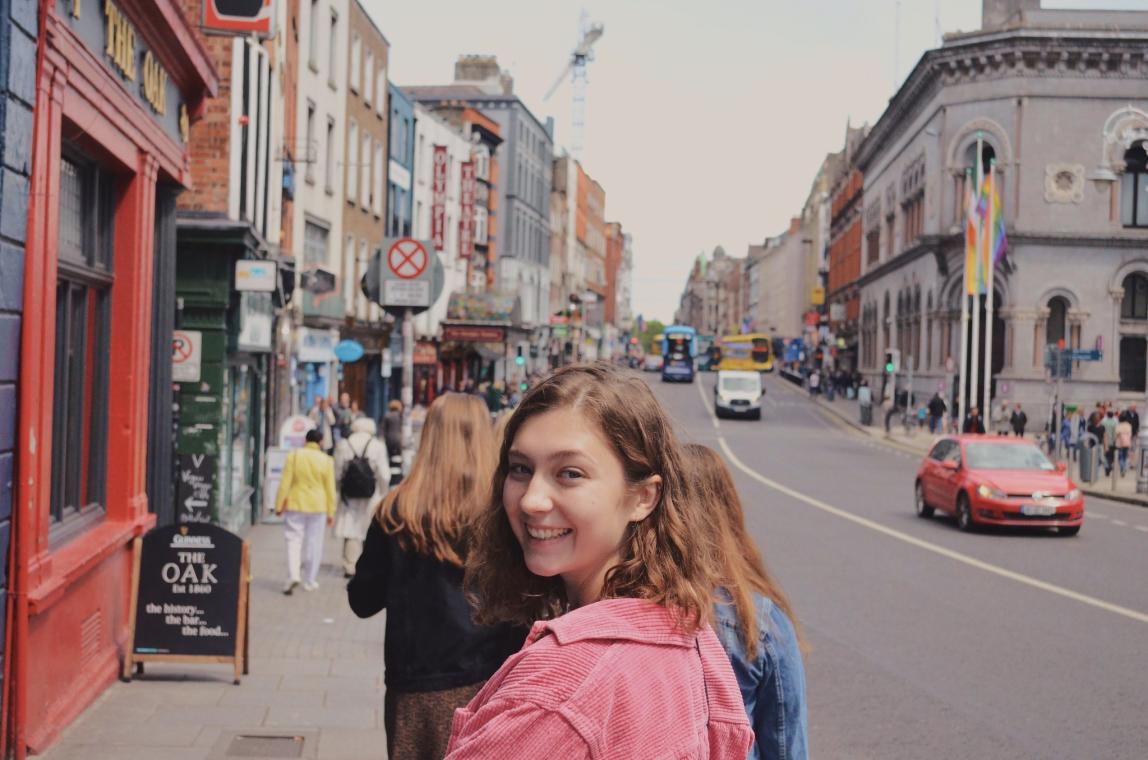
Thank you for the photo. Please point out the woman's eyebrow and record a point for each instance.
(562, 454)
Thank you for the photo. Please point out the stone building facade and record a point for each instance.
(1057, 100)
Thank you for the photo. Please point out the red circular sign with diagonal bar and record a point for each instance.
(407, 259)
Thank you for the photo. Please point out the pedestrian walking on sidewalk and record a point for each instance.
(364, 476)
(1108, 425)
(325, 420)
(306, 499)
(814, 382)
(595, 536)
(1002, 419)
(1018, 420)
(1123, 444)
(755, 622)
(937, 408)
(435, 658)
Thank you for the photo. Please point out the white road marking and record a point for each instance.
(1121, 523)
(956, 556)
(1097, 516)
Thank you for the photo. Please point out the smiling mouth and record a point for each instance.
(547, 534)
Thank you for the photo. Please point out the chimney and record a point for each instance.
(484, 72)
(1001, 14)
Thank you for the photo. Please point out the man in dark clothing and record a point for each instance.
(937, 408)
(1018, 420)
(974, 423)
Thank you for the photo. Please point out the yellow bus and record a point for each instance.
(752, 352)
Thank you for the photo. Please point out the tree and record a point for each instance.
(653, 327)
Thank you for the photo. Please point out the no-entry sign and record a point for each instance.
(407, 259)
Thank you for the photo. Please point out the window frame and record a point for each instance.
(1136, 178)
(354, 76)
(351, 177)
(1130, 294)
(81, 375)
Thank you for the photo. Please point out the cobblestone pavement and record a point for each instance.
(315, 674)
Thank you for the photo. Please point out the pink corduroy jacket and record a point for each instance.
(612, 680)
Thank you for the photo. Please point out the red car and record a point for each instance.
(994, 480)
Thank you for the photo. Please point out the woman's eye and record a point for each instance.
(570, 474)
(519, 470)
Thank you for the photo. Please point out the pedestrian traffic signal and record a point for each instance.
(523, 386)
(892, 361)
(520, 359)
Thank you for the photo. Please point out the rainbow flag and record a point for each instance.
(996, 223)
(985, 242)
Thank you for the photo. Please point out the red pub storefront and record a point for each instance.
(118, 84)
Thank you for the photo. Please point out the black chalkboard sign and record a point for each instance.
(189, 597)
(194, 488)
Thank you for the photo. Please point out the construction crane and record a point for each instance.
(583, 54)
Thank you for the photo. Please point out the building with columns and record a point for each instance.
(1057, 100)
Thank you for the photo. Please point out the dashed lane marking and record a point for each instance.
(1121, 523)
(1142, 528)
(956, 556)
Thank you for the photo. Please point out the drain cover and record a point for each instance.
(265, 746)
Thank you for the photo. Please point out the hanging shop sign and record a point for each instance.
(239, 17)
(111, 34)
(256, 274)
(466, 210)
(438, 197)
(482, 307)
(473, 333)
(349, 351)
(186, 356)
(189, 598)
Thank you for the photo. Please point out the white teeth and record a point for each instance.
(542, 534)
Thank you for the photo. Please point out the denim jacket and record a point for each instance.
(772, 683)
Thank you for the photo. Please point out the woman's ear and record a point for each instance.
(647, 496)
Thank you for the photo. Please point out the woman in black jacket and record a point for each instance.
(435, 657)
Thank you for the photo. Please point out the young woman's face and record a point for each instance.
(568, 502)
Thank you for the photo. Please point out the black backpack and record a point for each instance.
(359, 477)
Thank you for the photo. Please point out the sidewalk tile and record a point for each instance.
(324, 717)
(352, 745)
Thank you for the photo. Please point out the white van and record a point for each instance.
(738, 394)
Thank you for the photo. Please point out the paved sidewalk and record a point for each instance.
(315, 677)
(919, 441)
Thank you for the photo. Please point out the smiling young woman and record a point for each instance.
(592, 536)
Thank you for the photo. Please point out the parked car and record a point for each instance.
(738, 393)
(652, 363)
(991, 480)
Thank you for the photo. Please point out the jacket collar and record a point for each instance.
(636, 620)
(312, 445)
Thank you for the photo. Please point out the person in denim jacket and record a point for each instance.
(764, 648)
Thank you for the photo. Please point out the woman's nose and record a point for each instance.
(535, 499)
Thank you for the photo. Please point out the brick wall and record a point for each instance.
(209, 140)
(18, 31)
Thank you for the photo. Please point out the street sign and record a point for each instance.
(1085, 355)
(409, 276)
(186, 352)
(407, 259)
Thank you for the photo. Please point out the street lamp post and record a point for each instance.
(1142, 454)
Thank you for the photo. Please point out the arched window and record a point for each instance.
(1135, 303)
(1134, 187)
(1057, 329)
(988, 155)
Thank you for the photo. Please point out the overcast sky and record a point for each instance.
(706, 121)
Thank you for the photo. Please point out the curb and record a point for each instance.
(826, 407)
(1136, 501)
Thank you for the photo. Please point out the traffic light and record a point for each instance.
(892, 361)
(523, 386)
(520, 359)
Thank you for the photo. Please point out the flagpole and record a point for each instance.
(974, 373)
(989, 275)
(963, 381)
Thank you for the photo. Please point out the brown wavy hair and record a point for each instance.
(662, 558)
(432, 510)
(743, 569)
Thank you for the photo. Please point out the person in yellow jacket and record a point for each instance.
(306, 496)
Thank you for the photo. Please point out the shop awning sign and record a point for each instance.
(474, 333)
(186, 356)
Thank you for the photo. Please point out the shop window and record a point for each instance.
(1134, 188)
(83, 322)
(1057, 321)
(1135, 303)
(1133, 358)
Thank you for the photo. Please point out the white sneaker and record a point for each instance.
(310, 586)
(289, 588)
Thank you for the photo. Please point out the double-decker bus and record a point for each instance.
(753, 352)
(679, 349)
